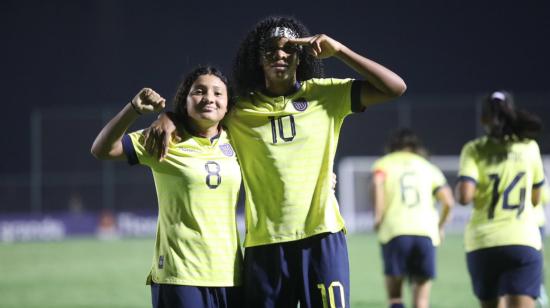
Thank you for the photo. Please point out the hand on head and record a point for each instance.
(320, 46)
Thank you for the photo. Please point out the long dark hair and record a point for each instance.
(504, 120)
(247, 72)
(405, 138)
(180, 99)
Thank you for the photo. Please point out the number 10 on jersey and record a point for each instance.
(278, 125)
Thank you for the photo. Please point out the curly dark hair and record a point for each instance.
(180, 99)
(247, 72)
(505, 120)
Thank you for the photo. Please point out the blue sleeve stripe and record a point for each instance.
(356, 105)
(129, 150)
(539, 184)
(467, 178)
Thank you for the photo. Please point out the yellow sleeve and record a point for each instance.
(468, 170)
(343, 95)
(134, 149)
(377, 165)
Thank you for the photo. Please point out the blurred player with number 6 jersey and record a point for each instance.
(405, 188)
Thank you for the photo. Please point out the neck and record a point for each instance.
(282, 87)
(204, 131)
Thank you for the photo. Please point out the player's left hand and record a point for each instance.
(320, 46)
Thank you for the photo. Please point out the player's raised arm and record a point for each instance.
(108, 143)
(381, 84)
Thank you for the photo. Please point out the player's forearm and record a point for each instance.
(379, 204)
(465, 192)
(445, 196)
(108, 144)
(444, 216)
(377, 75)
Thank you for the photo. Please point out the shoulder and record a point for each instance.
(327, 82)
(382, 161)
(474, 146)
(136, 136)
(435, 169)
(534, 146)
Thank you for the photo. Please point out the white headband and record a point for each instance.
(498, 96)
(283, 32)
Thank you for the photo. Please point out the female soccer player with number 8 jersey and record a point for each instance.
(197, 261)
(502, 174)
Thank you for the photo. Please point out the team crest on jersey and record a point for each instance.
(300, 104)
(227, 149)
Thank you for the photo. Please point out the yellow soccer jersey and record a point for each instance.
(197, 187)
(410, 182)
(286, 147)
(504, 175)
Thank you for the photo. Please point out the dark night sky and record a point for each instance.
(99, 53)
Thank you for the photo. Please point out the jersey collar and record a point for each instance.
(297, 86)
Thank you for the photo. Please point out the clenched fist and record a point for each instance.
(147, 101)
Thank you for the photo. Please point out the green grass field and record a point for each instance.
(93, 273)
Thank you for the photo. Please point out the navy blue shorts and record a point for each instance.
(312, 271)
(409, 255)
(511, 270)
(178, 296)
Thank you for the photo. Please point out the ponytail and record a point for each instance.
(505, 121)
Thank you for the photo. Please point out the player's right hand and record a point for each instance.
(320, 46)
(158, 135)
(147, 100)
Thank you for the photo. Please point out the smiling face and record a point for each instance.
(207, 101)
(279, 60)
